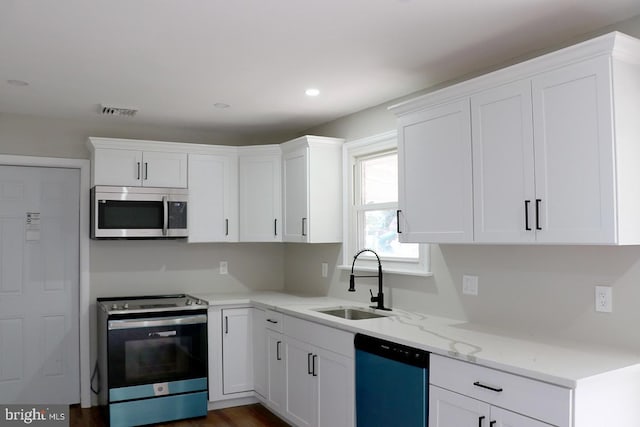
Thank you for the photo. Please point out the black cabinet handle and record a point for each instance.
(492, 423)
(146, 171)
(304, 229)
(278, 350)
(138, 176)
(226, 324)
(480, 420)
(226, 226)
(488, 387)
(309, 369)
(313, 365)
(526, 215)
(398, 221)
(275, 227)
(538, 201)
(272, 321)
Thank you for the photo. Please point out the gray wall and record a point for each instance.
(539, 292)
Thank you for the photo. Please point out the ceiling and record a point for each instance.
(174, 60)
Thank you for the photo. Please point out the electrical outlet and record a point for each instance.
(604, 299)
(224, 267)
(470, 285)
(325, 269)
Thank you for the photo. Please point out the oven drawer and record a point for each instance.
(159, 389)
(158, 409)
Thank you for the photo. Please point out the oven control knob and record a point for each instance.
(114, 306)
(125, 306)
(189, 302)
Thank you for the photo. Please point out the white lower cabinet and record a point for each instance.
(276, 386)
(237, 351)
(466, 394)
(449, 409)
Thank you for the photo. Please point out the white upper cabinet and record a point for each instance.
(312, 190)
(133, 163)
(503, 182)
(213, 196)
(260, 194)
(574, 154)
(434, 175)
(554, 152)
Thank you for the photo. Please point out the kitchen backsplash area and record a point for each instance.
(531, 292)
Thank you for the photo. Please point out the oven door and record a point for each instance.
(151, 350)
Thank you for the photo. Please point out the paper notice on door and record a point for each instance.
(32, 226)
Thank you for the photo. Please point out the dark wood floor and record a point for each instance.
(240, 416)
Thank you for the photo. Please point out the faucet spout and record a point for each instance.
(379, 299)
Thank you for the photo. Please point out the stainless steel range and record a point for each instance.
(152, 358)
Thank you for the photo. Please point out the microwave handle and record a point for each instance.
(165, 210)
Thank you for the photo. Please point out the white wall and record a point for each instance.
(528, 291)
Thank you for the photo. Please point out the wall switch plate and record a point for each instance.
(604, 299)
(325, 269)
(224, 267)
(470, 285)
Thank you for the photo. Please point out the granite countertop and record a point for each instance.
(563, 364)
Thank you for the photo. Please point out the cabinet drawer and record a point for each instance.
(319, 335)
(546, 402)
(273, 320)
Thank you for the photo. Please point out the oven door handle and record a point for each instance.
(163, 334)
(153, 322)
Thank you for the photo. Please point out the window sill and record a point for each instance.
(392, 270)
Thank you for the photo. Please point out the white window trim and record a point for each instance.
(350, 151)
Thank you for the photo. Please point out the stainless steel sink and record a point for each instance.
(351, 313)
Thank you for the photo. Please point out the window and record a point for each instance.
(371, 195)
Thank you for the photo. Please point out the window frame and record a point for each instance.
(352, 151)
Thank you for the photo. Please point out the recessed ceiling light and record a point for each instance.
(312, 92)
(20, 83)
(221, 105)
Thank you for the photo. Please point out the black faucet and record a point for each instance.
(352, 281)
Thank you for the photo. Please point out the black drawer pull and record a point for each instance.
(538, 201)
(488, 387)
(272, 321)
(526, 215)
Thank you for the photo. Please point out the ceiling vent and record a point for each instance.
(106, 110)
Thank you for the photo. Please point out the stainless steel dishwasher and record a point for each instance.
(392, 383)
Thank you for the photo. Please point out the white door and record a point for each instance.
(164, 169)
(434, 175)
(39, 285)
(574, 153)
(335, 375)
(118, 167)
(449, 409)
(301, 406)
(237, 350)
(276, 370)
(503, 418)
(296, 196)
(260, 198)
(503, 183)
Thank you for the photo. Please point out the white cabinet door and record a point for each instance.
(335, 376)
(503, 418)
(213, 198)
(260, 197)
(276, 371)
(434, 173)
(449, 409)
(301, 406)
(574, 156)
(164, 169)
(117, 167)
(260, 352)
(503, 181)
(296, 195)
(237, 350)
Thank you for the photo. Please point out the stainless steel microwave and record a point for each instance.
(138, 213)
